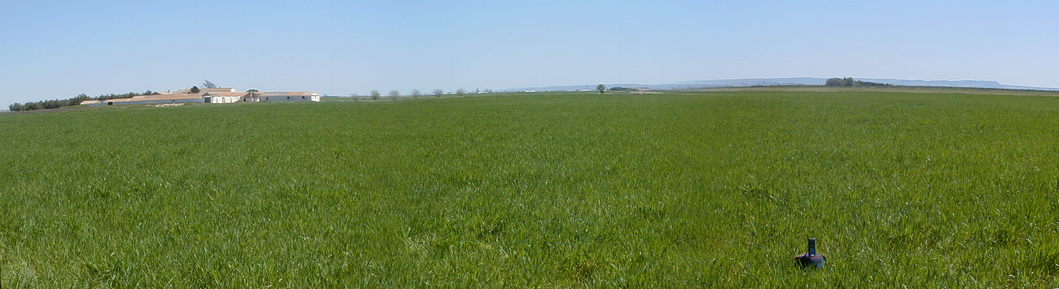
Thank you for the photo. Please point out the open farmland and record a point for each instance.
(693, 189)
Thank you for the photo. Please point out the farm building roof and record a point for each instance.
(174, 96)
(225, 94)
(158, 97)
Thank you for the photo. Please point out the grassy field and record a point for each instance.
(681, 189)
(887, 89)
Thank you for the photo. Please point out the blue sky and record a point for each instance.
(58, 49)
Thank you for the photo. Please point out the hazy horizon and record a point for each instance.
(58, 49)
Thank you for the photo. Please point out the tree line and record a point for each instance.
(849, 81)
(57, 103)
(394, 94)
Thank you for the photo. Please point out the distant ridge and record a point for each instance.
(786, 81)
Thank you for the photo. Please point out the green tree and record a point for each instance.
(601, 88)
(375, 95)
(195, 89)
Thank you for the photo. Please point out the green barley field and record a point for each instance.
(679, 189)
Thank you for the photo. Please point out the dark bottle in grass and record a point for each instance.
(811, 259)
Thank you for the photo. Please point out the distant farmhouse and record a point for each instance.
(209, 95)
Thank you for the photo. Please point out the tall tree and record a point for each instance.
(601, 88)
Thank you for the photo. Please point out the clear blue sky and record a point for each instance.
(58, 49)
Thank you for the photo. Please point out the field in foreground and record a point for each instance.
(704, 189)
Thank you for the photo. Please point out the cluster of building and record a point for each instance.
(210, 95)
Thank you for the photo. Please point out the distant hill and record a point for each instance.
(954, 83)
(785, 81)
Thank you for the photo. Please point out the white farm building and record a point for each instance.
(210, 95)
(288, 96)
(223, 97)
